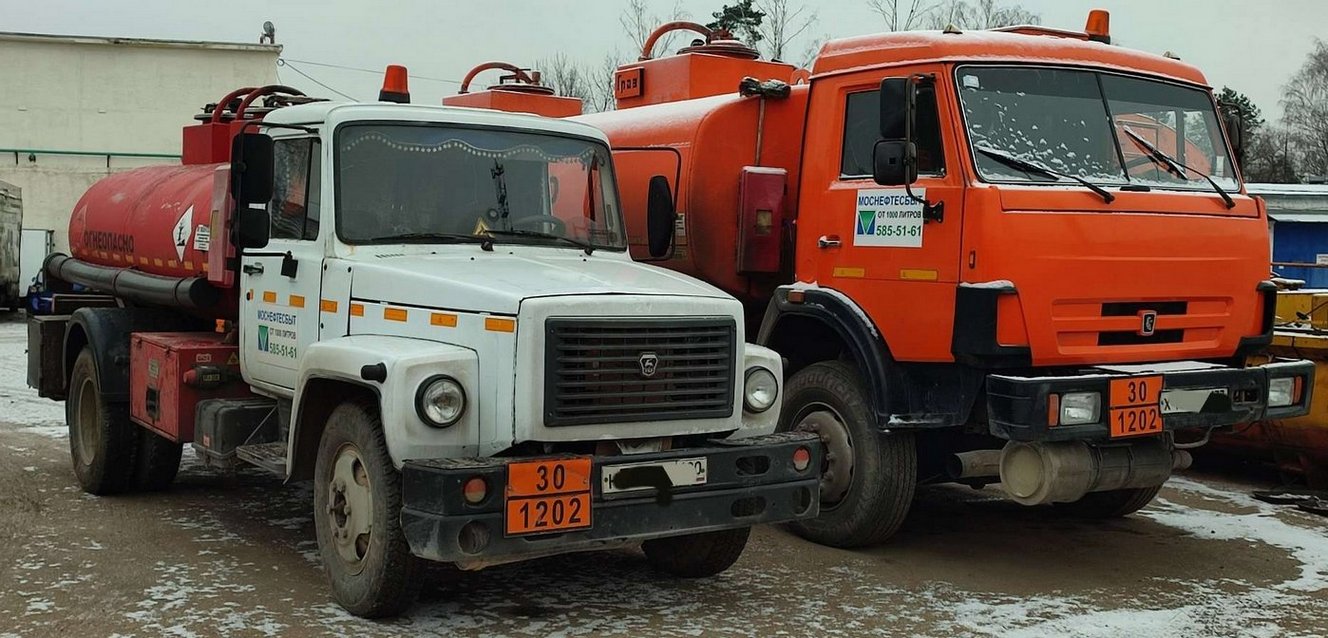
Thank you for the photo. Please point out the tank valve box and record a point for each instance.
(170, 372)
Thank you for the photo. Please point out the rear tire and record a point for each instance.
(103, 443)
(158, 462)
(868, 480)
(368, 562)
(697, 555)
(1110, 504)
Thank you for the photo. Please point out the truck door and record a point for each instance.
(872, 242)
(281, 283)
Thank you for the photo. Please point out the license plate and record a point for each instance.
(631, 477)
(547, 496)
(1135, 407)
(1174, 401)
(1138, 421)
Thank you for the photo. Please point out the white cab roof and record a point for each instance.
(323, 112)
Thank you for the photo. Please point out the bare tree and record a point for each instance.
(1305, 111)
(1271, 157)
(566, 77)
(978, 14)
(639, 21)
(901, 15)
(782, 25)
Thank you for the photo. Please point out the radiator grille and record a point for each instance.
(628, 370)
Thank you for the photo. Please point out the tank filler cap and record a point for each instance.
(718, 42)
(518, 81)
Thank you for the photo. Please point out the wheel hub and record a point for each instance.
(837, 470)
(350, 506)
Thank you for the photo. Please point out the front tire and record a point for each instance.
(697, 555)
(357, 514)
(103, 443)
(868, 479)
(1110, 504)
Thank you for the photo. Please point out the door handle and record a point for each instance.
(253, 269)
(828, 241)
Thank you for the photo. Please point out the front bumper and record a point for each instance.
(1017, 406)
(749, 481)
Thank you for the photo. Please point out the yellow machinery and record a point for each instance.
(1299, 446)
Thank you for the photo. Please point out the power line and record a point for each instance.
(287, 63)
(364, 70)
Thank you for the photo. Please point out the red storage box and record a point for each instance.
(170, 372)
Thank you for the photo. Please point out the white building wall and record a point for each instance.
(75, 109)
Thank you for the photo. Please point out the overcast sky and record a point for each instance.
(1254, 46)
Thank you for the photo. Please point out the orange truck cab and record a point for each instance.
(1023, 255)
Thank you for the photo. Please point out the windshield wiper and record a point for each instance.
(1174, 166)
(485, 243)
(1034, 167)
(586, 246)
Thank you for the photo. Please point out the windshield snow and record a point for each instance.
(1079, 123)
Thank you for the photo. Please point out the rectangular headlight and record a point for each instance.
(1281, 392)
(1078, 408)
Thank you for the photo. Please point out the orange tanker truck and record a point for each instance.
(1022, 255)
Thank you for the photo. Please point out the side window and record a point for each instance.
(295, 193)
(862, 126)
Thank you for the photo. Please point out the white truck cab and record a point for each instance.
(475, 369)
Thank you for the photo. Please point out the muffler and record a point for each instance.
(1063, 472)
(976, 464)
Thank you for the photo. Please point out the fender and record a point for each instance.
(903, 395)
(393, 369)
(850, 322)
(107, 331)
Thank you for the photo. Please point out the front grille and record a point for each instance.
(1136, 339)
(594, 370)
(1132, 308)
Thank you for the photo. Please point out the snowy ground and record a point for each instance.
(233, 555)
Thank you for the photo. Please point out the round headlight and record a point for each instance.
(760, 390)
(440, 401)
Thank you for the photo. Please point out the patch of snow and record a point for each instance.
(1308, 546)
(20, 407)
(999, 284)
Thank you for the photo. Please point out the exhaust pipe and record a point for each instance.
(1063, 472)
(974, 464)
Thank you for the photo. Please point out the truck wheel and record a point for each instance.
(868, 478)
(158, 462)
(697, 555)
(357, 515)
(1110, 504)
(102, 440)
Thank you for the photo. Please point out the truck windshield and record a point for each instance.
(1089, 124)
(420, 183)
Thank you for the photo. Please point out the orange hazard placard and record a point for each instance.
(1134, 406)
(547, 496)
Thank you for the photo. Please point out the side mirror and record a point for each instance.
(895, 115)
(894, 163)
(1235, 125)
(894, 159)
(661, 216)
(252, 227)
(251, 169)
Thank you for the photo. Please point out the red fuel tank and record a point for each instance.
(156, 220)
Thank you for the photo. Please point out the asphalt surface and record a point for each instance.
(233, 554)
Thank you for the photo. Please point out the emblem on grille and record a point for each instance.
(1147, 323)
(649, 363)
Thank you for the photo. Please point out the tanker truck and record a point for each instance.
(1022, 256)
(430, 312)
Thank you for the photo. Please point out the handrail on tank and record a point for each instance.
(520, 73)
(648, 51)
(260, 92)
(220, 109)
